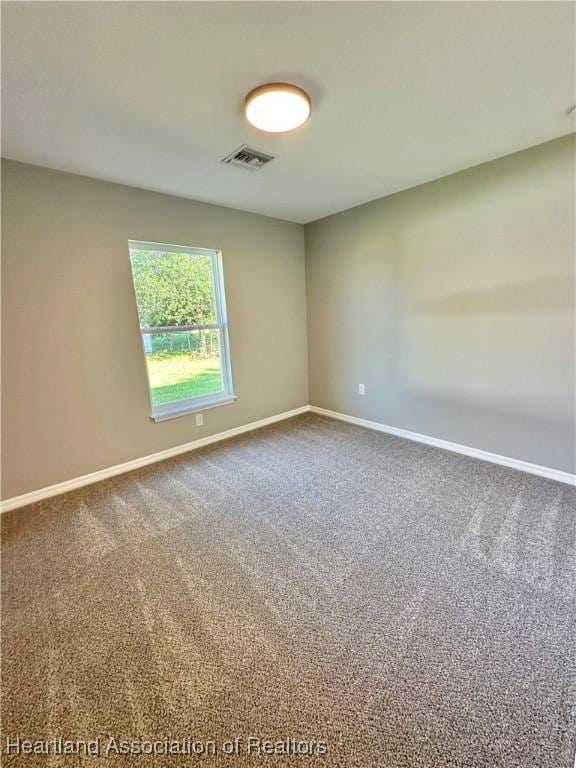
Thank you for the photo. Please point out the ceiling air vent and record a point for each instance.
(248, 157)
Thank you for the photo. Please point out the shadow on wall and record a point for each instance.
(453, 303)
(504, 345)
(543, 295)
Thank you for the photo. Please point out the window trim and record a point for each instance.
(226, 396)
(182, 409)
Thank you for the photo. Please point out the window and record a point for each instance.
(182, 311)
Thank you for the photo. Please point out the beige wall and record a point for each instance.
(454, 304)
(75, 396)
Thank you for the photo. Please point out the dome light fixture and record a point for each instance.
(277, 107)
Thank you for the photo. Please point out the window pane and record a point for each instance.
(183, 364)
(173, 288)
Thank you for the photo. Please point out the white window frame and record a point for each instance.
(201, 402)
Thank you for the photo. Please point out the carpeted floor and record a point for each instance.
(410, 607)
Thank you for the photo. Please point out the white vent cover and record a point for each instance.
(248, 157)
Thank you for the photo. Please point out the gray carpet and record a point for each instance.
(313, 580)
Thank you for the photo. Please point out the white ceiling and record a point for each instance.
(150, 93)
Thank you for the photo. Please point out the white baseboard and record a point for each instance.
(495, 458)
(128, 466)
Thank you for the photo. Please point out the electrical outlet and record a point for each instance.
(361, 389)
(199, 419)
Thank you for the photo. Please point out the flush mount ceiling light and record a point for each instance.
(277, 107)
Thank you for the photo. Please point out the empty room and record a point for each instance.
(288, 384)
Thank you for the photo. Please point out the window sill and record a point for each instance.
(185, 410)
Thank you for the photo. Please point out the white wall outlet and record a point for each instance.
(361, 389)
(199, 419)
